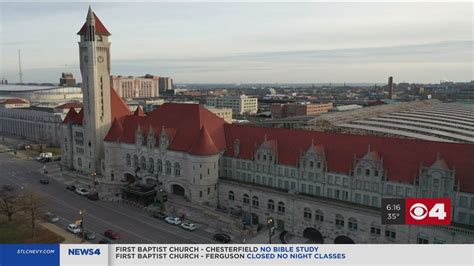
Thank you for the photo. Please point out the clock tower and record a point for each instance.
(94, 55)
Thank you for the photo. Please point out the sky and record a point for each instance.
(247, 42)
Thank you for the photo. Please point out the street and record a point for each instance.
(134, 225)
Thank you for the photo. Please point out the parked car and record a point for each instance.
(93, 196)
(44, 155)
(89, 235)
(74, 228)
(82, 191)
(104, 241)
(44, 181)
(159, 215)
(111, 234)
(173, 220)
(51, 217)
(71, 187)
(223, 238)
(189, 226)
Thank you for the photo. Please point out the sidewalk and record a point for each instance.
(68, 237)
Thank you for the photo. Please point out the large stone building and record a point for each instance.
(299, 109)
(147, 86)
(42, 125)
(240, 104)
(324, 186)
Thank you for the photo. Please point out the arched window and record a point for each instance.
(160, 166)
(307, 214)
(231, 195)
(143, 163)
(135, 161)
(339, 220)
(177, 169)
(151, 165)
(319, 216)
(352, 224)
(255, 201)
(281, 207)
(129, 160)
(79, 162)
(168, 167)
(246, 199)
(271, 205)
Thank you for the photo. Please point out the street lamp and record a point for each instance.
(270, 229)
(81, 213)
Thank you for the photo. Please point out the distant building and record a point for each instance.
(166, 84)
(240, 104)
(42, 125)
(41, 93)
(466, 95)
(298, 109)
(136, 87)
(67, 79)
(390, 88)
(64, 108)
(14, 103)
(225, 113)
(343, 108)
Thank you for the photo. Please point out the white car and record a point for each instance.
(189, 226)
(51, 217)
(82, 191)
(73, 228)
(173, 220)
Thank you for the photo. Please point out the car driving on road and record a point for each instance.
(71, 187)
(82, 191)
(44, 181)
(188, 226)
(173, 220)
(223, 238)
(112, 234)
(51, 217)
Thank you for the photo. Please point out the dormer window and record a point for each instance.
(311, 164)
(367, 172)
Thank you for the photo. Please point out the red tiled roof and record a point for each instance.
(71, 116)
(119, 109)
(204, 145)
(401, 157)
(14, 101)
(182, 124)
(115, 131)
(69, 105)
(99, 27)
(79, 117)
(139, 111)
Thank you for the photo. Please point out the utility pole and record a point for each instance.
(20, 73)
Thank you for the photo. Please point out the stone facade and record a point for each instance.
(36, 124)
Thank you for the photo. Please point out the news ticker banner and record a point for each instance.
(147, 254)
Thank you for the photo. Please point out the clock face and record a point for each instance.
(86, 59)
(100, 59)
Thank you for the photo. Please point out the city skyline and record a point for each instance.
(249, 42)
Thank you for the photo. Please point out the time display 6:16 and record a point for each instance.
(393, 207)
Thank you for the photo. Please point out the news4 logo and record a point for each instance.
(84, 251)
(428, 211)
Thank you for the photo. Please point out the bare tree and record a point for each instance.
(8, 202)
(32, 201)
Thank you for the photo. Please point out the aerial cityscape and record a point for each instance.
(92, 151)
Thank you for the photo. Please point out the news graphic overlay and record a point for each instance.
(417, 211)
